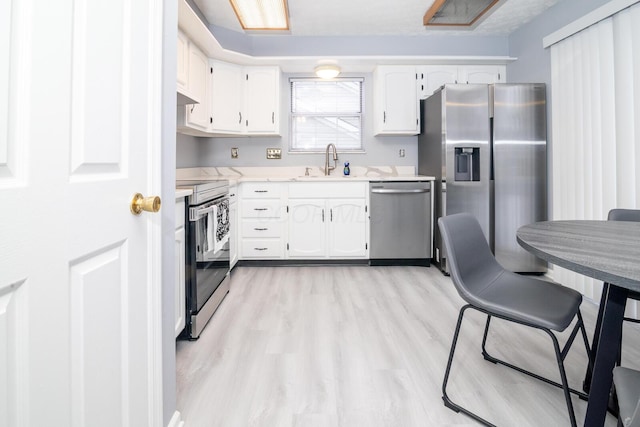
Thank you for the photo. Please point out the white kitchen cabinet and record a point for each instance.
(431, 77)
(226, 98)
(182, 61)
(395, 101)
(262, 100)
(327, 220)
(233, 225)
(482, 74)
(347, 228)
(262, 212)
(307, 228)
(180, 261)
(195, 119)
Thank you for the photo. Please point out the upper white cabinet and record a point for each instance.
(195, 119)
(395, 101)
(262, 100)
(240, 101)
(198, 115)
(183, 61)
(482, 74)
(431, 77)
(245, 100)
(226, 97)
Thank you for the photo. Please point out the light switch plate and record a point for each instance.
(274, 153)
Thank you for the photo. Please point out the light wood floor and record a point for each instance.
(366, 346)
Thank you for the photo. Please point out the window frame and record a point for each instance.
(293, 115)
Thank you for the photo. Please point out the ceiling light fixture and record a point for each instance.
(262, 14)
(328, 71)
(458, 13)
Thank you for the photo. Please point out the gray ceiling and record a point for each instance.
(377, 17)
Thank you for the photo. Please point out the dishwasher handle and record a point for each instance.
(395, 191)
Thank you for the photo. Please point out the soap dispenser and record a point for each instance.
(347, 171)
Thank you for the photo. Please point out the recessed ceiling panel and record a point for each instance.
(457, 12)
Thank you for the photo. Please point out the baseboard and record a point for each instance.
(176, 420)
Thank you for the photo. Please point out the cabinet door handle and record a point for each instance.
(260, 191)
(261, 229)
(273, 117)
(259, 209)
(331, 215)
(240, 117)
(260, 249)
(322, 215)
(384, 117)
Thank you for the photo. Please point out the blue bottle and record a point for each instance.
(347, 171)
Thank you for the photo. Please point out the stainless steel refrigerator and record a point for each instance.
(486, 147)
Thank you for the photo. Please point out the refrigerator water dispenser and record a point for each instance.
(467, 160)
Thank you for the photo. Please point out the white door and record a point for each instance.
(79, 283)
(262, 96)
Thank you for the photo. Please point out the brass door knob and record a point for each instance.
(140, 203)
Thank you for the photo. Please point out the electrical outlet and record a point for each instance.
(274, 153)
(234, 153)
(401, 153)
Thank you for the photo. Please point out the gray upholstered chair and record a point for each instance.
(627, 382)
(490, 289)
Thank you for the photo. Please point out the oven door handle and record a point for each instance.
(196, 214)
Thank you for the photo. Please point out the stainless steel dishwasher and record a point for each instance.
(400, 218)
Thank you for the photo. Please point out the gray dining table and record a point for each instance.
(607, 251)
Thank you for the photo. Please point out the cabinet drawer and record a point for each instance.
(261, 248)
(261, 190)
(261, 208)
(261, 228)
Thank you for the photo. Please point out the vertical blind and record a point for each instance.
(595, 95)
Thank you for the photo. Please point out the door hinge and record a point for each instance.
(287, 246)
(366, 246)
(366, 208)
(246, 77)
(211, 70)
(287, 209)
(498, 76)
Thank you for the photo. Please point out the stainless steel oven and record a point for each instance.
(207, 252)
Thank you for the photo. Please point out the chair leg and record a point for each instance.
(448, 402)
(485, 354)
(563, 377)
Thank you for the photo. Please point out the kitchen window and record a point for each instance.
(324, 112)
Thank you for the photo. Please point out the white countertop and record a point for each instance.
(297, 174)
(183, 192)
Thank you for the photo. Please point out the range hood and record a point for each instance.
(456, 13)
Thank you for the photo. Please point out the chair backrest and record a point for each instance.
(471, 263)
(624, 215)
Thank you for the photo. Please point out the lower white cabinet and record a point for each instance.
(262, 213)
(347, 231)
(333, 224)
(233, 225)
(307, 228)
(180, 260)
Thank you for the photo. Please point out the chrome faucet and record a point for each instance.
(327, 168)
